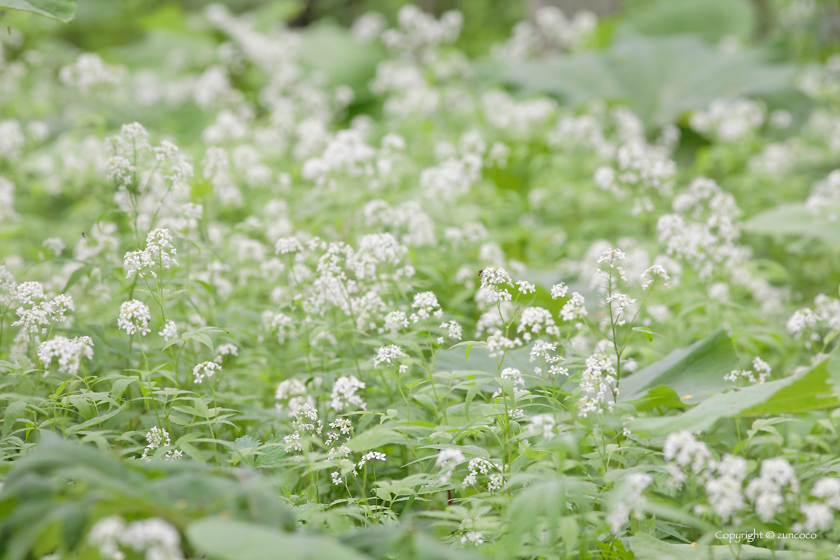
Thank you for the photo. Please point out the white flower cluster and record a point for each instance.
(521, 119)
(704, 230)
(825, 196)
(67, 352)
(550, 34)
(447, 460)
(458, 171)
(817, 323)
(204, 370)
(11, 140)
(134, 317)
(306, 423)
(154, 537)
(542, 424)
(293, 393)
(775, 490)
(389, 355)
(766, 491)
(169, 331)
(760, 367)
(344, 395)
(158, 255)
(635, 484)
(34, 320)
(598, 385)
(89, 73)
(494, 283)
(481, 466)
(157, 438)
(544, 352)
(418, 33)
(729, 120)
(348, 155)
(640, 170)
(8, 287)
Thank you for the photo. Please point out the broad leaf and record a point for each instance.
(234, 540)
(651, 548)
(659, 78)
(695, 373)
(711, 19)
(810, 390)
(796, 219)
(62, 10)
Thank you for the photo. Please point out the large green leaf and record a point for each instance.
(695, 373)
(235, 540)
(62, 10)
(649, 547)
(815, 390)
(810, 390)
(796, 219)
(345, 61)
(659, 78)
(711, 19)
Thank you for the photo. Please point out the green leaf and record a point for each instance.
(711, 19)
(659, 78)
(14, 411)
(810, 390)
(235, 540)
(94, 421)
(695, 373)
(796, 219)
(62, 10)
(651, 548)
(659, 396)
(333, 51)
(77, 274)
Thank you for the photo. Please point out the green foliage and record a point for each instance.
(694, 373)
(660, 79)
(313, 291)
(62, 10)
(711, 19)
(796, 220)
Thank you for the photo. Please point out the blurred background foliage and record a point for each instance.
(100, 25)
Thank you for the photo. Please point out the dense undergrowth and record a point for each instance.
(350, 293)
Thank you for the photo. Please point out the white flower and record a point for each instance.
(574, 308)
(652, 274)
(454, 330)
(225, 350)
(395, 321)
(158, 255)
(387, 354)
(559, 290)
(684, 450)
(344, 393)
(447, 460)
(169, 331)
(475, 538)
(68, 352)
(134, 317)
(526, 287)
(542, 424)
(204, 370)
(801, 320)
(426, 304)
(29, 292)
(54, 244)
(287, 245)
(766, 490)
